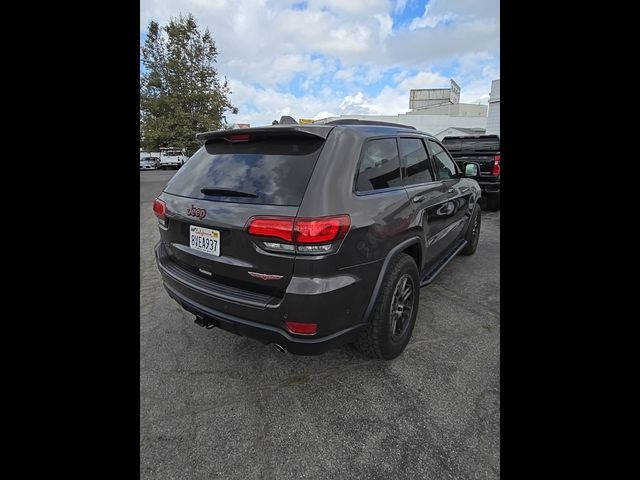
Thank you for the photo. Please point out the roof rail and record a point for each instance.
(355, 121)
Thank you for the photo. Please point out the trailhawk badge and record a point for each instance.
(264, 276)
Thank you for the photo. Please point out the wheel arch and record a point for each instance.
(412, 246)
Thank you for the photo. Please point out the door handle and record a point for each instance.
(418, 198)
(451, 190)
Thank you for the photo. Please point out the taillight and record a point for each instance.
(309, 235)
(277, 227)
(321, 230)
(302, 328)
(160, 209)
(495, 171)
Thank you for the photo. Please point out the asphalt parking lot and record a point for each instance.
(214, 405)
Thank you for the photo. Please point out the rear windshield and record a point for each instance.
(274, 171)
(472, 144)
(172, 153)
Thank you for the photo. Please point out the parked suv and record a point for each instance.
(313, 236)
(485, 151)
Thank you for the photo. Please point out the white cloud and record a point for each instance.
(398, 77)
(323, 114)
(345, 74)
(395, 100)
(476, 71)
(357, 99)
(430, 21)
(342, 30)
(400, 4)
(338, 49)
(424, 80)
(386, 26)
(269, 104)
(260, 106)
(351, 7)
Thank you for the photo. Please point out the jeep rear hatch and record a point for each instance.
(238, 175)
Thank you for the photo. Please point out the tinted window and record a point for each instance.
(491, 143)
(472, 144)
(445, 167)
(416, 161)
(452, 143)
(379, 165)
(276, 169)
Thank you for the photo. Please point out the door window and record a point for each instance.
(445, 168)
(379, 165)
(415, 161)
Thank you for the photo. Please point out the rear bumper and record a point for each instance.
(337, 312)
(264, 333)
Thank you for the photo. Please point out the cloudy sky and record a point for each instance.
(320, 58)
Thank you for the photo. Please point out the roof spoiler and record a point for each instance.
(321, 131)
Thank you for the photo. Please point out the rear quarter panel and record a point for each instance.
(379, 221)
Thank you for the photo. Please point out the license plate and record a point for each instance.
(204, 240)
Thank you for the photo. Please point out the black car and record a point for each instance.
(313, 236)
(485, 151)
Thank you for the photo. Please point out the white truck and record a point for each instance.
(171, 157)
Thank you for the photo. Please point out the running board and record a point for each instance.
(429, 276)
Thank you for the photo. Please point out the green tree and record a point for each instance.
(180, 92)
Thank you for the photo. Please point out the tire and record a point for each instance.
(377, 340)
(493, 202)
(473, 232)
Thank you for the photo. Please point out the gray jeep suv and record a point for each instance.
(313, 236)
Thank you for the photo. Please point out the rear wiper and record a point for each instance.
(227, 192)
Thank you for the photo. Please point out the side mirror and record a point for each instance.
(471, 170)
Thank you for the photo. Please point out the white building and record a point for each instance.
(493, 118)
(457, 132)
(433, 111)
(431, 120)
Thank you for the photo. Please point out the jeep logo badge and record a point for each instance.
(194, 211)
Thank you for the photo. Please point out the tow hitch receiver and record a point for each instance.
(205, 322)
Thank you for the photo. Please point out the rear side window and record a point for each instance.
(415, 161)
(263, 170)
(445, 168)
(379, 165)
